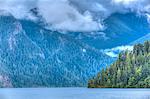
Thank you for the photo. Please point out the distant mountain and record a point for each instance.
(142, 39)
(121, 29)
(31, 56)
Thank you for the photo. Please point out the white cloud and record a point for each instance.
(74, 15)
(18, 8)
(111, 54)
(125, 2)
(133, 5)
(97, 7)
(115, 51)
(148, 17)
(61, 15)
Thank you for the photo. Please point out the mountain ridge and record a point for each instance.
(32, 56)
(121, 29)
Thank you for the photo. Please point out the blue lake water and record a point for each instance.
(74, 93)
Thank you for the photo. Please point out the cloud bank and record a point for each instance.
(61, 15)
(74, 15)
(115, 51)
(18, 8)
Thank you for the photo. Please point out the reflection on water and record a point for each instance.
(74, 93)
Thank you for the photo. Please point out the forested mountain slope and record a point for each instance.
(132, 69)
(31, 56)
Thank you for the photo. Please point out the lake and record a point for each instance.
(73, 93)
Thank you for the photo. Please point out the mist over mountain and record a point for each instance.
(75, 15)
(121, 29)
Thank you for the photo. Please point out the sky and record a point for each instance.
(74, 15)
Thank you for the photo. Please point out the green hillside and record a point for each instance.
(131, 70)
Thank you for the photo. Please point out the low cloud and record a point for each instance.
(115, 51)
(148, 17)
(61, 15)
(18, 8)
(74, 15)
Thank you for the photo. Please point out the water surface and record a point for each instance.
(74, 93)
